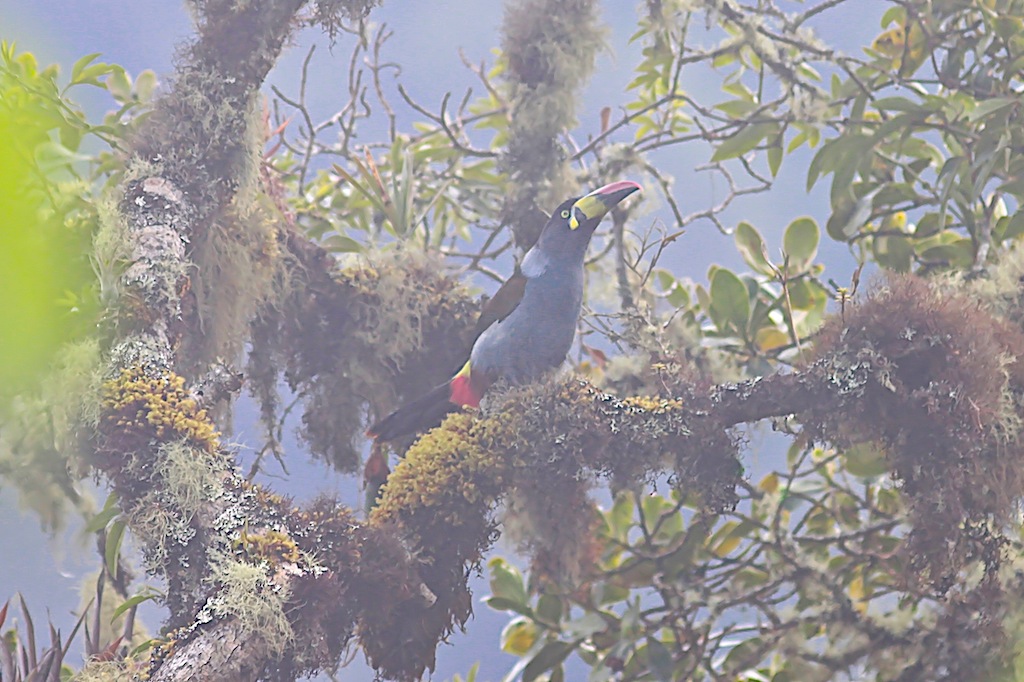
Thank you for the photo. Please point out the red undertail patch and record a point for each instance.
(462, 391)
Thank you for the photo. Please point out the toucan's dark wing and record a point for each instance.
(504, 301)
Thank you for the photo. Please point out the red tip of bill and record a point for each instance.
(618, 187)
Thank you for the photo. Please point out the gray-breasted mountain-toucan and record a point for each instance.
(529, 324)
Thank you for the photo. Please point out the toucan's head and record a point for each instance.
(573, 223)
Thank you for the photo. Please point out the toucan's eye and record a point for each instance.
(565, 213)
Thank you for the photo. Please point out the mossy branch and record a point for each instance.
(256, 587)
(549, 49)
(930, 375)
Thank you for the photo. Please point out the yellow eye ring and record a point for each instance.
(565, 213)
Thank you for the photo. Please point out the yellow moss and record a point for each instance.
(267, 498)
(272, 546)
(447, 468)
(655, 406)
(156, 406)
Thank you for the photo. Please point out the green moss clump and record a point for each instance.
(187, 472)
(112, 671)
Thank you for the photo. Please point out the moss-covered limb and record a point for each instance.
(440, 498)
(549, 48)
(253, 584)
(287, 585)
(443, 493)
(931, 375)
(382, 330)
(199, 132)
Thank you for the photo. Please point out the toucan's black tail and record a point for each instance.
(421, 414)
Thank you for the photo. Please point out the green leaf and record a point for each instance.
(805, 293)
(620, 516)
(119, 84)
(743, 141)
(774, 159)
(507, 581)
(800, 242)
(133, 601)
(519, 636)
(588, 624)
(338, 243)
(728, 537)
(553, 654)
(145, 646)
(101, 520)
(990, 106)
(751, 247)
(848, 217)
(730, 304)
(1011, 227)
(503, 604)
(612, 594)
(893, 15)
(946, 180)
(549, 609)
(659, 660)
(91, 74)
(897, 104)
(678, 297)
(866, 460)
(113, 546)
(145, 85)
(953, 249)
(736, 108)
(82, 62)
(109, 511)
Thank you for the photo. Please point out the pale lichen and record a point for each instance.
(247, 592)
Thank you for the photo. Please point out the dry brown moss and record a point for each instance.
(941, 391)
